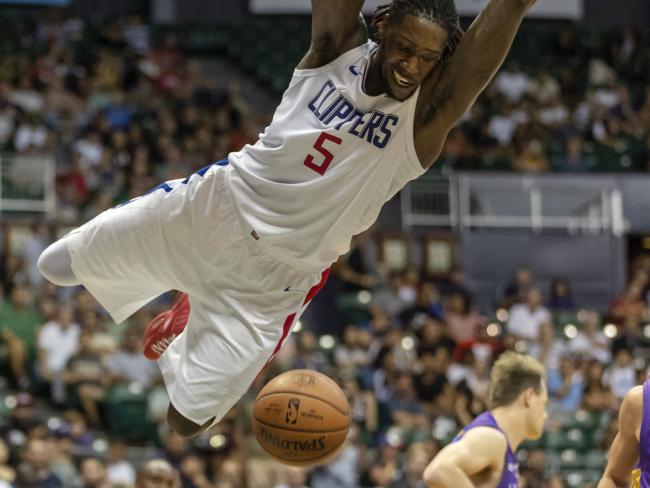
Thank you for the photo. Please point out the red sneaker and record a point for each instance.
(165, 327)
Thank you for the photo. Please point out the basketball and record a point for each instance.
(301, 418)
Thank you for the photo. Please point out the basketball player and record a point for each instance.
(483, 454)
(247, 239)
(629, 455)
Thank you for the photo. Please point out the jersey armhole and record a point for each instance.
(344, 58)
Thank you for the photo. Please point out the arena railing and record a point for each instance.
(559, 202)
(27, 183)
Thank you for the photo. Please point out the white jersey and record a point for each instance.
(324, 167)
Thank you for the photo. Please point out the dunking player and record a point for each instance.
(483, 454)
(247, 238)
(629, 456)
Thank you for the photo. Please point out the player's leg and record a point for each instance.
(183, 425)
(158, 335)
(55, 263)
(216, 352)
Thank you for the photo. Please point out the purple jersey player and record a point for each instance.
(629, 456)
(483, 454)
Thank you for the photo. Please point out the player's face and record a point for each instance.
(537, 404)
(411, 47)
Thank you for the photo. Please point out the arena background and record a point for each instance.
(532, 232)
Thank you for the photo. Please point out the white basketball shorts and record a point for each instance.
(186, 235)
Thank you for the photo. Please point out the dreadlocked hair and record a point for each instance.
(442, 12)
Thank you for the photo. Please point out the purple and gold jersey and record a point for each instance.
(510, 474)
(641, 475)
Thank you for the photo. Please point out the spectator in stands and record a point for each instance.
(35, 470)
(573, 160)
(294, 478)
(532, 158)
(22, 421)
(417, 458)
(175, 448)
(193, 472)
(34, 245)
(404, 405)
(384, 378)
(64, 465)
(432, 333)
(308, 356)
(86, 378)
(157, 473)
(427, 303)
(461, 317)
(128, 365)
(32, 137)
(385, 470)
(93, 473)
(512, 83)
(561, 297)
(591, 343)
(565, 387)
(430, 382)
(119, 470)
(343, 470)
(620, 377)
(230, 474)
(597, 396)
(549, 349)
(351, 356)
(517, 289)
(7, 471)
(19, 321)
(363, 405)
(58, 341)
(354, 268)
(629, 337)
(525, 319)
(388, 298)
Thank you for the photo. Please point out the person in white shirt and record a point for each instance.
(294, 478)
(526, 319)
(58, 340)
(591, 343)
(621, 376)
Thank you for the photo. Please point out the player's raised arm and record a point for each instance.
(624, 452)
(480, 451)
(445, 98)
(336, 27)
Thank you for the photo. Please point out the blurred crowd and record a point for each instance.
(411, 352)
(119, 112)
(585, 108)
(122, 112)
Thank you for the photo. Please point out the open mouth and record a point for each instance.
(401, 81)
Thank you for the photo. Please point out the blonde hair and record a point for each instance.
(511, 374)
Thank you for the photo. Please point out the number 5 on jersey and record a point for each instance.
(327, 156)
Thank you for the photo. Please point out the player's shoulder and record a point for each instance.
(633, 401)
(485, 436)
(631, 412)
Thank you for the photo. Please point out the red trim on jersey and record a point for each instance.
(288, 322)
(318, 287)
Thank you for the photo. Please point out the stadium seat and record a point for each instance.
(126, 413)
(569, 439)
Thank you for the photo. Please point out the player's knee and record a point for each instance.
(56, 265)
(182, 425)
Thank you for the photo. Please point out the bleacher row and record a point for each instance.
(572, 450)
